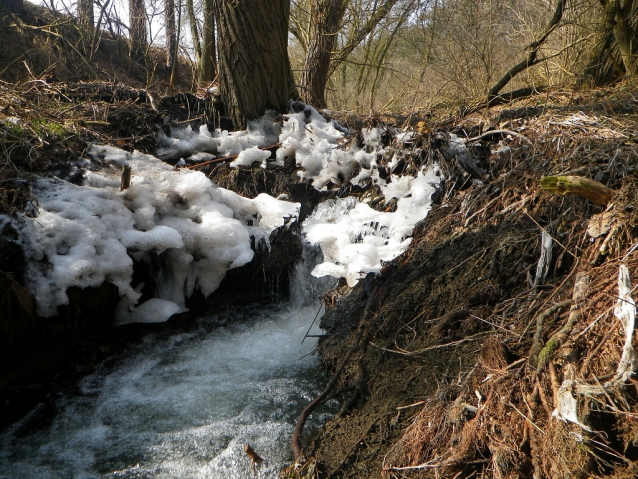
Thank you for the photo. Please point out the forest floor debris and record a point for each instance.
(470, 364)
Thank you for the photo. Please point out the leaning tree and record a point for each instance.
(254, 68)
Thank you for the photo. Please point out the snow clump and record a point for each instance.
(187, 229)
(355, 239)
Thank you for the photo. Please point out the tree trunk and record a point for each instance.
(209, 62)
(625, 33)
(326, 16)
(86, 18)
(192, 20)
(171, 33)
(615, 53)
(604, 65)
(137, 21)
(255, 73)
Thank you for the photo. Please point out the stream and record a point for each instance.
(180, 405)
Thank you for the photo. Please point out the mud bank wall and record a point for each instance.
(475, 360)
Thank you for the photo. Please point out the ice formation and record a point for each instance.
(177, 219)
(191, 232)
(355, 239)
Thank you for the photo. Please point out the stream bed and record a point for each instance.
(179, 405)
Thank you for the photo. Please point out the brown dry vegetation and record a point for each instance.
(463, 358)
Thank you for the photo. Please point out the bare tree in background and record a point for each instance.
(208, 59)
(326, 19)
(254, 69)
(137, 31)
(192, 21)
(171, 33)
(85, 14)
(316, 25)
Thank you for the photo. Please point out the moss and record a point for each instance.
(546, 353)
(49, 130)
(11, 131)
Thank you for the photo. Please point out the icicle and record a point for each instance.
(625, 310)
(566, 410)
(546, 258)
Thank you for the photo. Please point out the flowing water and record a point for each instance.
(179, 406)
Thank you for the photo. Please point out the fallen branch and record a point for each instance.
(598, 193)
(581, 285)
(229, 158)
(500, 132)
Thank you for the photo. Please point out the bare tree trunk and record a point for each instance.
(255, 73)
(171, 33)
(192, 20)
(209, 61)
(174, 62)
(86, 18)
(615, 53)
(137, 21)
(327, 15)
(382, 55)
(604, 65)
(624, 32)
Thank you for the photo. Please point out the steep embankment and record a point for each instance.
(474, 359)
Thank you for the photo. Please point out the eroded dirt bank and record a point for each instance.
(473, 362)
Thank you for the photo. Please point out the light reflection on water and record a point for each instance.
(179, 407)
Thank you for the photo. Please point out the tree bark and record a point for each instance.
(624, 32)
(192, 20)
(604, 65)
(255, 73)
(86, 18)
(10, 6)
(171, 33)
(326, 15)
(208, 68)
(137, 21)
(615, 53)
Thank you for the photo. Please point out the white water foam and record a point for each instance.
(180, 407)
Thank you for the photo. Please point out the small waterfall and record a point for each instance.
(306, 289)
(183, 405)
